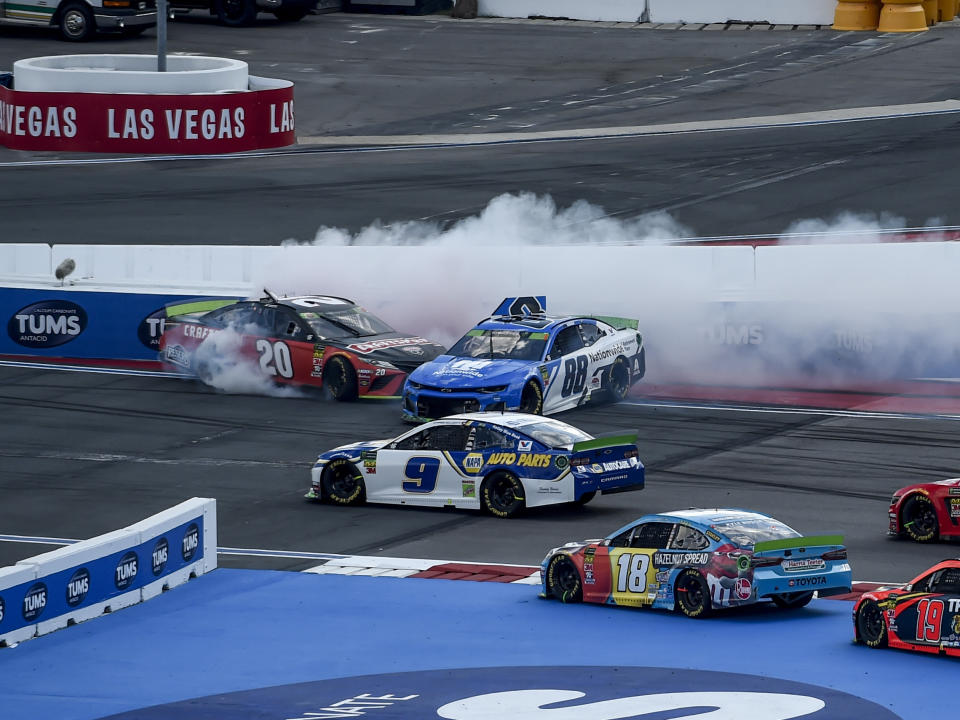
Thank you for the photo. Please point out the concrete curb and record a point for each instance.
(476, 572)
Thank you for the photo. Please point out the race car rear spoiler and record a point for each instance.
(609, 464)
(200, 305)
(812, 541)
(618, 322)
(605, 441)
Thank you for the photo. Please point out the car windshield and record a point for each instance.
(555, 434)
(747, 533)
(349, 322)
(509, 344)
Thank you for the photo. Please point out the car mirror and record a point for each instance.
(310, 337)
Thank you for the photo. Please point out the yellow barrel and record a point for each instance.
(902, 16)
(857, 15)
(947, 10)
(930, 10)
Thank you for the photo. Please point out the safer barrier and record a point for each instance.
(108, 572)
(836, 313)
(80, 324)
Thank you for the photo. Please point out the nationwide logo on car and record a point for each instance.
(373, 345)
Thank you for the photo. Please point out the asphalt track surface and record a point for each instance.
(84, 453)
(370, 75)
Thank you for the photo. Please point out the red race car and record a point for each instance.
(315, 340)
(926, 511)
(923, 615)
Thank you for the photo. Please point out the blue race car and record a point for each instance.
(522, 359)
(697, 560)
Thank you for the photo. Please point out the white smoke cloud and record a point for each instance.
(518, 220)
(838, 309)
(220, 363)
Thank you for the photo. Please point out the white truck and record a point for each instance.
(79, 20)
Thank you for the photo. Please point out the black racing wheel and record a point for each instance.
(918, 518)
(563, 580)
(871, 627)
(342, 483)
(340, 378)
(531, 399)
(502, 494)
(618, 382)
(692, 593)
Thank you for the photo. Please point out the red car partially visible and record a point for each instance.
(923, 615)
(926, 511)
(317, 340)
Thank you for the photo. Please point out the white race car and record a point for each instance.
(500, 462)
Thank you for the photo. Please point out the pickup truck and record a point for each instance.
(238, 13)
(79, 20)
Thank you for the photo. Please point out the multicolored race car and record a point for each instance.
(522, 359)
(316, 340)
(697, 560)
(926, 511)
(923, 615)
(500, 462)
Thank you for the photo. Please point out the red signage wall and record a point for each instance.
(122, 123)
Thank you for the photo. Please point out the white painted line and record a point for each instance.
(820, 117)
(532, 580)
(790, 410)
(117, 457)
(372, 561)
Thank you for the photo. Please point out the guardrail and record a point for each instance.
(108, 572)
(864, 310)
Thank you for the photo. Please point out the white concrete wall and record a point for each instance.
(786, 12)
(602, 10)
(129, 74)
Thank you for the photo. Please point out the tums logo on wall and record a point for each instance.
(151, 328)
(47, 324)
(531, 693)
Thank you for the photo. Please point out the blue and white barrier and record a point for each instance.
(108, 572)
(84, 324)
(863, 309)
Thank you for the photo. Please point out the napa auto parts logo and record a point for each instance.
(531, 693)
(46, 324)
